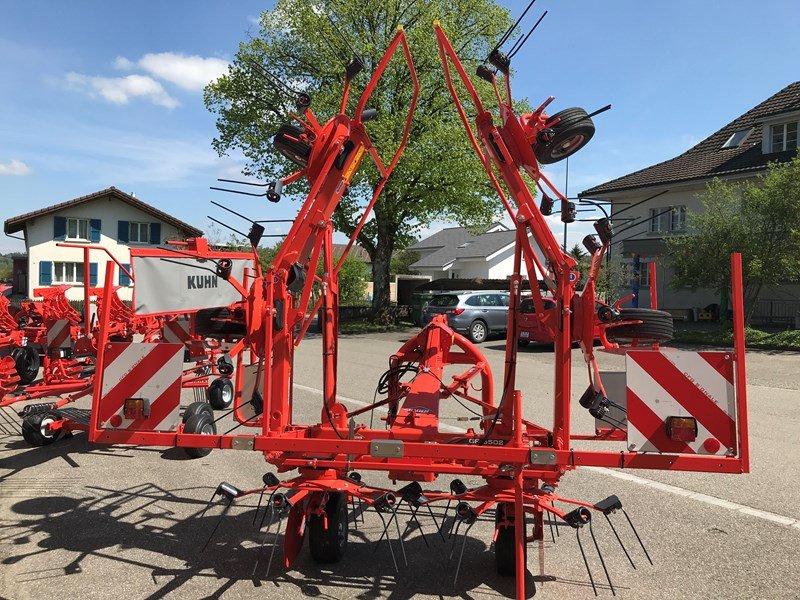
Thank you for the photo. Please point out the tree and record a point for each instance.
(760, 219)
(402, 261)
(352, 281)
(438, 178)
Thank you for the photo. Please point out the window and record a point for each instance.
(783, 137)
(67, 272)
(443, 300)
(644, 274)
(139, 233)
(737, 138)
(77, 229)
(667, 218)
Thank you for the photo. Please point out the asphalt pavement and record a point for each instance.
(87, 521)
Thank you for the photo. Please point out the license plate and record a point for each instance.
(524, 334)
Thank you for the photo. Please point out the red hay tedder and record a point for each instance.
(670, 409)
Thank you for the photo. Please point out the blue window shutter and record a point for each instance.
(123, 232)
(59, 228)
(123, 277)
(155, 233)
(45, 272)
(94, 230)
(93, 274)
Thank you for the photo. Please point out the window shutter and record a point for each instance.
(93, 274)
(45, 272)
(123, 277)
(94, 230)
(155, 233)
(123, 232)
(59, 228)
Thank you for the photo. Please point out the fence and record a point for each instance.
(776, 312)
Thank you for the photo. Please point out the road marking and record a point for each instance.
(699, 497)
(305, 388)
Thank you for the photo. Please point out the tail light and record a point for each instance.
(682, 429)
(136, 408)
(454, 311)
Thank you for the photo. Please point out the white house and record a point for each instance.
(109, 218)
(738, 152)
(455, 253)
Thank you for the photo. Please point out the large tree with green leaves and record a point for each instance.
(760, 219)
(438, 178)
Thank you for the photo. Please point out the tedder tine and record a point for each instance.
(614, 529)
(388, 540)
(602, 562)
(636, 533)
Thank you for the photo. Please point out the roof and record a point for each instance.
(356, 251)
(457, 242)
(468, 285)
(709, 159)
(15, 224)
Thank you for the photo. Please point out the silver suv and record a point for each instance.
(475, 313)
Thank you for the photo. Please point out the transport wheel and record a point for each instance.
(287, 141)
(27, 362)
(572, 132)
(201, 421)
(197, 407)
(220, 393)
(478, 331)
(328, 545)
(209, 322)
(505, 545)
(655, 326)
(34, 429)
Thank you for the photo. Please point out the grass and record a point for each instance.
(714, 334)
(367, 326)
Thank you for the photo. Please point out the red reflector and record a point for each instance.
(682, 429)
(136, 408)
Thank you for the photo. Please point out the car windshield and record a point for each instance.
(444, 300)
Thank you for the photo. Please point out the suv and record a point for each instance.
(475, 313)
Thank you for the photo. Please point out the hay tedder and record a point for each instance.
(669, 409)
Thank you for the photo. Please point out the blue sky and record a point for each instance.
(97, 93)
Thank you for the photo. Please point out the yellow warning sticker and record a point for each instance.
(354, 163)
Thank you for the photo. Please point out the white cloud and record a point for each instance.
(189, 72)
(15, 167)
(120, 90)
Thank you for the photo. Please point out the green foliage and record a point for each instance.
(6, 266)
(352, 282)
(439, 177)
(402, 261)
(761, 220)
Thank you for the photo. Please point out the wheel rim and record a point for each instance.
(341, 534)
(207, 429)
(43, 427)
(227, 394)
(568, 146)
(478, 331)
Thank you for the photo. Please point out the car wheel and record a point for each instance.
(478, 331)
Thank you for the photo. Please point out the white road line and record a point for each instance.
(704, 498)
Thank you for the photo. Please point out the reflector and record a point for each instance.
(682, 429)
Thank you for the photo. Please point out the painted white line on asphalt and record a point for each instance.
(704, 498)
(305, 388)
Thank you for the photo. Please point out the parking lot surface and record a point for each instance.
(87, 521)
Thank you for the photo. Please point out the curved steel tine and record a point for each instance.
(602, 562)
(461, 555)
(636, 533)
(585, 562)
(614, 529)
(400, 537)
(391, 550)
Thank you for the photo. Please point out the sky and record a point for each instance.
(97, 93)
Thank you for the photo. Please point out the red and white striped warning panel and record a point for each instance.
(148, 377)
(681, 402)
(58, 334)
(176, 331)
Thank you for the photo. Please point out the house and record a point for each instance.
(738, 152)
(109, 218)
(456, 253)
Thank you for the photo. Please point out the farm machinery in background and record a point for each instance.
(669, 409)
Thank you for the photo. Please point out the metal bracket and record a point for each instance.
(243, 442)
(386, 448)
(542, 457)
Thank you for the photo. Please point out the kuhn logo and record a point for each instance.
(201, 282)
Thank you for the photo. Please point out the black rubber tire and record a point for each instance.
(572, 132)
(329, 545)
(474, 332)
(505, 551)
(33, 429)
(27, 362)
(211, 322)
(655, 326)
(220, 393)
(523, 343)
(200, 422)
(287, 142)
(197, 407)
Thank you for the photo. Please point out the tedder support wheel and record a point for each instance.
(220, 393)
(655, 326)
(196, 407)
(505, 545)
(328, 545)
(35, 431)
(288, 142)
(478, 332)
(571, 132)
(27, 362)
(201, 420)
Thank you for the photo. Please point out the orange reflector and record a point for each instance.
(682, 429)
(136, 408)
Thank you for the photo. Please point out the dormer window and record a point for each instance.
(783, 137)
(737, 138)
